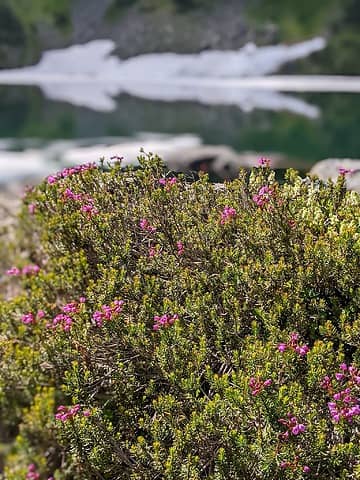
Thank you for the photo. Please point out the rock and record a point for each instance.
(10, 201)
(219, 159)
(329, 168)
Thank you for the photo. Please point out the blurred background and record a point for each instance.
(188, 79)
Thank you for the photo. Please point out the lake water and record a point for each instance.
(26, 114)
(69, 112)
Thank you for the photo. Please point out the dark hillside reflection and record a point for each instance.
(25, 113)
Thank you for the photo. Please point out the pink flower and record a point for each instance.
(27, 270)
(227, 214)
(51, 179)
(13, 271)
(343, 171)
(107, 312)
(69, 171)
(64, 413)
(164, 321)
(306, 469)
(152, 252)
(145, 225)
(298, 428)
(30, 270)
(32, 474)
(168, 182)
(89, 209)
(70, 308)
(263, 196)
(302, 350)
(40, 314)
(325, 383)
(61, 319)
(294, 338)
(264, 162)
(257, 385)
(292, 344)
(28, 318)
(292, 425)
(346, 404)
(31, 208)
(117, 306)
(98, 318)
(180, 248)
(86, 413)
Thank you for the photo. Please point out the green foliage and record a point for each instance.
(299, 19)
(179, 5)
(176, 402)
(31, 13)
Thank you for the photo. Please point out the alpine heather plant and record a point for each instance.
(183, 331)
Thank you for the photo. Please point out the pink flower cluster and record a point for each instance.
(293, 427)
(68, 172)
(29, 318)
(32, 473)
(64, 319)
(257, 386)
(107, 312)
(70, 195)
(64, 413)
(227, 214)
(346, 403)
(294, 465)
(152, 251)
(87, 207)
(263, 196)
(27, 270)
(344, 171)
(168, 182)
(293, 344)
(264, 162)
(31, 208)
(164, 321)
(180, 248)
(145, 225)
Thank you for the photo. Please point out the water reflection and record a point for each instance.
(89, 75)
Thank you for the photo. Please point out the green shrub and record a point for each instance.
(185, 330)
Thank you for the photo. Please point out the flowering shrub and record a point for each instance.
(214, 332)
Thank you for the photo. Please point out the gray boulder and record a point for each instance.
(219, 159)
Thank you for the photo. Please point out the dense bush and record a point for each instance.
(175, 330)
